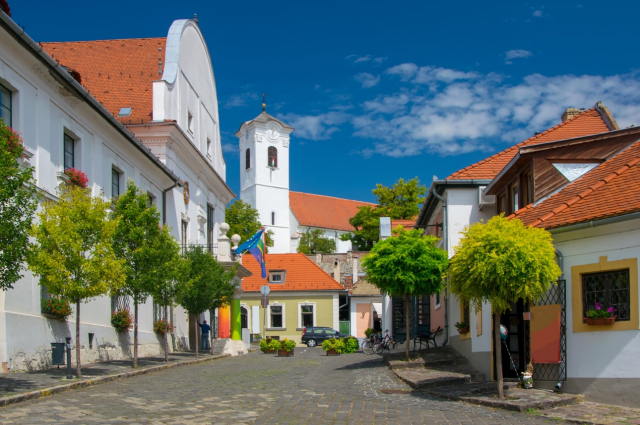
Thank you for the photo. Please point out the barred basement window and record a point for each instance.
(610, 289)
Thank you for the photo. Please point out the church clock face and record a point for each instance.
(272, 133)
(246, 136)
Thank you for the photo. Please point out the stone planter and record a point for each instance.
(332, 352)
(463, 331)
(608, 321)
(285, 353)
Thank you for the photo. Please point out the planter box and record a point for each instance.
(285, 353)
(332, 352)
(601, 321)
(463, 331)
(269, 351)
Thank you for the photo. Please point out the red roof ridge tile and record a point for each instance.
(105, 40)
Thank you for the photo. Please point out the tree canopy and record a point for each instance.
(401, 201)
(501, 262)
(73, 252)
(407, 265)
(244, 220)
(314, 242)
(18, 203)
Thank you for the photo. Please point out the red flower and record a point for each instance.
(77, 177)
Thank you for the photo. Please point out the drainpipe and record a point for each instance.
(445, 237)
(560, 263)
(164, 202)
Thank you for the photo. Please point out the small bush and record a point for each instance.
(121, 320)
(288, 345)
(334, 344)
(351, 345)
(58, 307)
(368, 332)
(274, 344)
(264, 345)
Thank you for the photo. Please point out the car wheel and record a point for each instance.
(311, 343)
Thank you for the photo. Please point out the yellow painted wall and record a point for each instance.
(323, 305)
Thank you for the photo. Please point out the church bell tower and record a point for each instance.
(264, 174)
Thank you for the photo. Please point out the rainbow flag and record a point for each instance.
(256, 245)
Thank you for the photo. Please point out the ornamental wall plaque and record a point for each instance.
(185, 192)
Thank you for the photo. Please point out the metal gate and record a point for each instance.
(557, 294)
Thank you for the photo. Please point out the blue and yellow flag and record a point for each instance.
(256, 245)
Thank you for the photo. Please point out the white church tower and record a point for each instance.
(264, 174)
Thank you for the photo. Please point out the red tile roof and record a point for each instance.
(586, 123)
(119, 73)
(302, 274)
(611, 189)
(324, 211)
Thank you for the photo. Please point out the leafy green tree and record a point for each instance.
(314, 242)
(18, 202)
(407, 265)
(501, 262)
(208, 284)
(172, 268)
(137, 241)
(401, 201)
(244, 221)
(73, 252)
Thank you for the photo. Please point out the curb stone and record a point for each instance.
(46, 392)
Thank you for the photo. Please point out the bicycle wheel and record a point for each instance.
(378, 347)
(367, 347)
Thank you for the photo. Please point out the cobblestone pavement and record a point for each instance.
(309, 388)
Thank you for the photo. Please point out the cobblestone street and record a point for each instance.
(262, 389)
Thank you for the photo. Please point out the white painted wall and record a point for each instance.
(608, 354)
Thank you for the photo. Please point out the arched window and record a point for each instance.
(273, 218)
(273, 157)
(247, 159)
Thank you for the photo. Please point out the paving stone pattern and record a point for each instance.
(309, 388)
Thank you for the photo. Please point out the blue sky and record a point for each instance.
(382, 90)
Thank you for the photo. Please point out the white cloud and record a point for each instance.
(229, 148)
(537, 13)
(366, 58)
(515, 54)
(468, 111)
(315, 127)
(367, 80)
(379, 60)
(239, 100)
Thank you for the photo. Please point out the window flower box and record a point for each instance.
(601, 321)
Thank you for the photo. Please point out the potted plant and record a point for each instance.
(76, 177)
(273, 346)
(333, 346)
(600, 316)
(268, 345)
(463, 328)
(121, 320)
(160, 327)
(286, 348)
(58, 308)
(368, 332)
(350, 345)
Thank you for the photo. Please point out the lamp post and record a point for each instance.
(69, 375)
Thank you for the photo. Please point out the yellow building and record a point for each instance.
(301, 294)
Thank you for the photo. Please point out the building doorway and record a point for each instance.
(244, 318)
(514, 322)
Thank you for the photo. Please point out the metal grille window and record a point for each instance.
(115, 183)
(307, 315)
(276, 316)
(158, 312)
(273, 157)
(5, 105)
(69, 152)
(210, 224)
(119, 302)
(609, 289)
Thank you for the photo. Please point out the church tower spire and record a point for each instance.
(264, 173)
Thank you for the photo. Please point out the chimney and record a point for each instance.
(355, 270)
(570, 113)
(336, 270)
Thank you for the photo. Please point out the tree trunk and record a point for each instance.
(407, 310)
(78, 365)
(166, 335)
(498, 354)
(135, 332)
(197, 339)
(212, 312)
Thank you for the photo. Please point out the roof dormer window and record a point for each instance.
(125, 112)
(277, 276)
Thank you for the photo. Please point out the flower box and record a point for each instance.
(463, 331)
(285, 353)
(601, 321)
(332, 352)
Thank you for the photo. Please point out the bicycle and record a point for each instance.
(368, 345)
(386, 343)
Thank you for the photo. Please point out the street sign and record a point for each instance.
(264, 301)
(265, 290)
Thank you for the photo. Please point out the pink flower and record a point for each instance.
(598, 306)
(611, 310)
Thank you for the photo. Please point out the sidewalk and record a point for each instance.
(22, 386)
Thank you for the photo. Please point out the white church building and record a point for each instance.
(264, 184)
